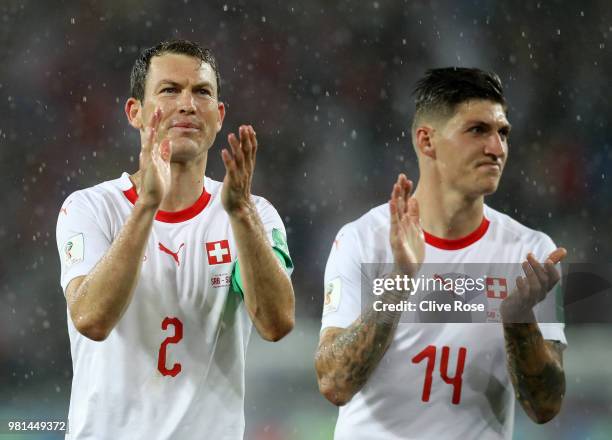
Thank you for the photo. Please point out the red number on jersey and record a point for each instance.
(178, 335)
(456, 381)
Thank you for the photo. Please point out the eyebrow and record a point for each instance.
(506, 125)
(175, 84)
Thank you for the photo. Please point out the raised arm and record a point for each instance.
(268, 292)
(98, 300)
(346, 358)
(535, 365)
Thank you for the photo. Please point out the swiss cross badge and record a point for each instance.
(497, 288)
(218, 252)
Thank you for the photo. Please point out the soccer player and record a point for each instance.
(165, 270)
(399, 380)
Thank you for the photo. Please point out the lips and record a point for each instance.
(185, 125)
(489, 164)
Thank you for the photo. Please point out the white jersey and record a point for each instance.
(417, 391)
(173, 367)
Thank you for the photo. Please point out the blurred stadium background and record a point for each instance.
(327, 86)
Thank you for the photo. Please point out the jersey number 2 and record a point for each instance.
(178, 335)
(429, 353)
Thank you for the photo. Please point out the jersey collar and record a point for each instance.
(458, 243)
(176, 216)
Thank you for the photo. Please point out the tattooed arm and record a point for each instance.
(535, 366)
(346, 357)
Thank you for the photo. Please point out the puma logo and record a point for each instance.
(65, 208)
(174, 255)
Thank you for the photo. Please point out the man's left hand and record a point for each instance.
(532, 288)
(239, 168)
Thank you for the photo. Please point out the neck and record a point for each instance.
(446, 213)
(187, 181)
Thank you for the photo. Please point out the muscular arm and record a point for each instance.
(98, 300)
(535, 366)
(268, 293)
(346, 358)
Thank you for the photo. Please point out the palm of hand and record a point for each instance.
(406, 236)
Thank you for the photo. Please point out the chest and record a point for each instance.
(187, 267)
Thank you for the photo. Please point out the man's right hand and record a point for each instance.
(406, 235)
(154, 165)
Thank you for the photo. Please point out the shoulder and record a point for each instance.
(95, 198)
(370, 230)
(509, 229)
(264, 208)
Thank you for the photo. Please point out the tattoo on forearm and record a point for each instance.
(349, 358)
(535, 368)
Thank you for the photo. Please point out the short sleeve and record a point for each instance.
(81, 241)
(275, 230)
(549, 313)
(342, 300)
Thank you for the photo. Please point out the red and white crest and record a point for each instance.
(218, 252)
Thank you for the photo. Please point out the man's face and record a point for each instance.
(185, 88)
(471, 148)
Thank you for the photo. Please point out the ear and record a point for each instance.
(133, 111)
(423, 141)
(221, 115)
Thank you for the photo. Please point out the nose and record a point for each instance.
(187, 103)
(496, 146)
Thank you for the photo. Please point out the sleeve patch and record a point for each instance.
(74, 250)
(333, 291)
(279, 241)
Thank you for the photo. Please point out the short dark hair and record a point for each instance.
(440, 91)
(140, 69)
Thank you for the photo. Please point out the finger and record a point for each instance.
(393, 207)
(553, 274)
(229, 163)
(523, 292)
(245, 141)
(235, 144)
(413, 212)
(247, 147)
(399, 195)
(407, 188)
(539, 271)
(155, 119)
(165, 149)
(253, 137)
(151, 129)
(557, 255)
(532, 279)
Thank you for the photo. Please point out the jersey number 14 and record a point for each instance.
(429, 353)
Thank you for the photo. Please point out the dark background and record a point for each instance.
(327, 86)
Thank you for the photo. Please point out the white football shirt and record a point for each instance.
(416, 392)
(173, 367)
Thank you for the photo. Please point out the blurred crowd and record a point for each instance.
(327, 86)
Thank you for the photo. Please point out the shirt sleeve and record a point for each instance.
(277, 237)
(81, 241)
(549, 313)
(275, 230)
(342, 300)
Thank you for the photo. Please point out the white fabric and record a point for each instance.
(118, 392)
(390, 405)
